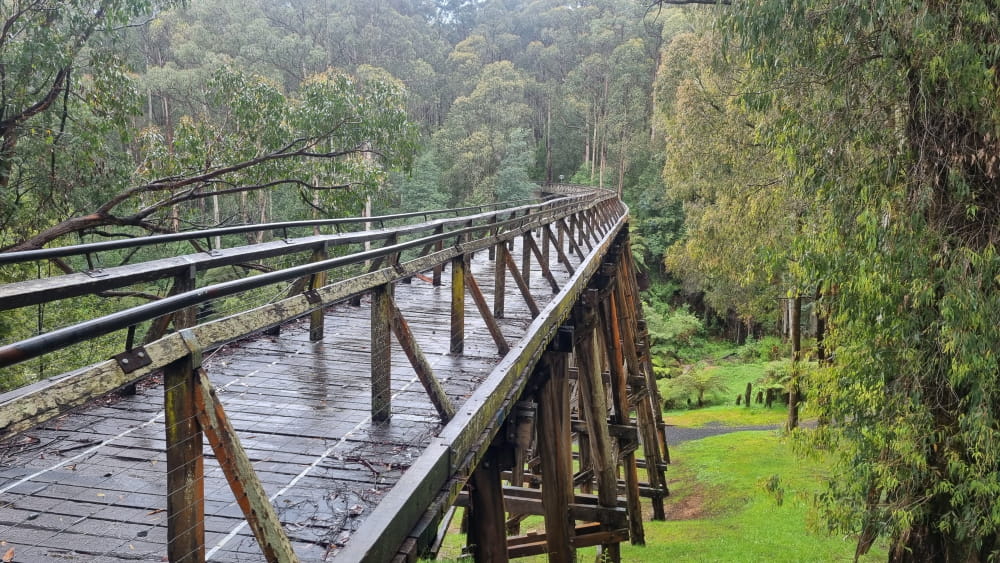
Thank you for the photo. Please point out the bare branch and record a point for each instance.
(661, 3)
(175, 182)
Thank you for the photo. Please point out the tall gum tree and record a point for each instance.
(892, 122)
(48, 51)
(65, 85)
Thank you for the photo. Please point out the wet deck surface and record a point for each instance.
(91, 485)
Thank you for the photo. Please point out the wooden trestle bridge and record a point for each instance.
(344, 402)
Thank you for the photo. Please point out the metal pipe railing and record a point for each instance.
(150, 240)
(60, 338)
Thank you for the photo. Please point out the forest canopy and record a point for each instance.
(132, 116)
(771, 150)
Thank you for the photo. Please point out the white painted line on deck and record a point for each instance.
(239, 528)
(85, 453)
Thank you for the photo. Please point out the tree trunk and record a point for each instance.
(820, 326)
(548, 142)
(216, 219)
(793, 389)
(593, 149)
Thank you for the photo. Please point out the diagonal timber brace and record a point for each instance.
(484, 309)
(235, 464)
(401, 329)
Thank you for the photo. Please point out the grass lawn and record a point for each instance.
(721, 508)
(726, 415)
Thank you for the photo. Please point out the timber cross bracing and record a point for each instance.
(401, 375)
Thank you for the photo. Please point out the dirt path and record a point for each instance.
(678, 434)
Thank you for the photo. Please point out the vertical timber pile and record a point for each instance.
(642, 381)
(554, 444)
(487, 526)
(594, 409)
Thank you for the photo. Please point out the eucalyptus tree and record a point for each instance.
(57, 62)
(890, 121)
(739, 212)
(483, 134)
(611, 87)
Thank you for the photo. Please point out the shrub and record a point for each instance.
(703, 383)
(767, 349)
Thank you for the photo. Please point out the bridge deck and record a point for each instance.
(91, 486)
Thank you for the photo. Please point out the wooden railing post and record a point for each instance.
(526, 257)
(526, 250)
(381, 353)
(500, 279)
(185, 465)
(317, 281)
(439, 245)
(581, 230)
(492, 252)
(546, 242)
(560, 242)
(458, 265)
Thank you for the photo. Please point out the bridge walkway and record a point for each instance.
(91, 485)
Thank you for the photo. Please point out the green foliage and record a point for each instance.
(68, 103)
(867, 132)
(658, 220)
(478, 142)
(422, 189)
(670, 330)
(743, 215)
(705, 383)
(768, 348)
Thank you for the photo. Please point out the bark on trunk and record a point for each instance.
(793, 390)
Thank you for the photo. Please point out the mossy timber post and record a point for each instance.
(506, 450)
